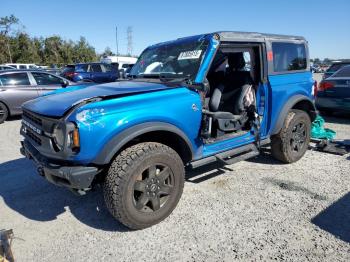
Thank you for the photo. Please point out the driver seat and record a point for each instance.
(242, 98)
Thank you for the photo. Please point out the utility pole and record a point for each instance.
(129, 38)
(116, 40)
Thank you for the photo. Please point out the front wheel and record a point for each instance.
(291, 143)
(144, 184)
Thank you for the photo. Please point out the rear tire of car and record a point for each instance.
(4, 112)
(144, 184)
(291, 143)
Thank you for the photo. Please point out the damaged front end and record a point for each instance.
(51, 144)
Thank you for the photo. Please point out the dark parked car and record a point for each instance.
(91, 72)
(334, 68)
(333, 93)
(19, 86)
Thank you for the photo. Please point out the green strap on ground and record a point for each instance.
(319, 132)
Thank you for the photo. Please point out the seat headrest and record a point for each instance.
(236, 61)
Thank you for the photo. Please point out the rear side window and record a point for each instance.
(344, 72)
(46, 79)
(288, 57)
(95, 68)
(335, 67)
(81, 68)
(15, 79)
(68, 69)
(107, 67)
(22, 67)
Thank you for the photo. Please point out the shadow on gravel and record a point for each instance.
(335, 219)
(14, 118)
(265, 157)
(291, 186)
(24, 191)
(206, 172)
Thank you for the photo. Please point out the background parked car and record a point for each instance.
(23, 66)
(19, 86)
(6, 67)
(334, 68)
(333, 93)
(90, 72)
(127, 70)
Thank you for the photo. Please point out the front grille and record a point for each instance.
(32, 118)
(33, 137)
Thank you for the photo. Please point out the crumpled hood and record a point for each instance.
(57, 104)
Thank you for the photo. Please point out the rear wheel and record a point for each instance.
(291, 143)
(4, 113)
(144, 184)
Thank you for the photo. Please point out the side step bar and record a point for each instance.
(227, 159)
(231, 156)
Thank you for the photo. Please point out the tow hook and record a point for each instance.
(41, 171)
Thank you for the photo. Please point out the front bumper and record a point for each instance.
(73, 177)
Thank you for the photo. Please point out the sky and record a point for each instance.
(324, 23)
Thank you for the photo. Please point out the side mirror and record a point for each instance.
(204, 87)
(64, 83)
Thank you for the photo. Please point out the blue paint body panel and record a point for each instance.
(64, 100)
(101, 121)
(283, 87)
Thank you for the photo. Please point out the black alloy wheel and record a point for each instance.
(153, 188)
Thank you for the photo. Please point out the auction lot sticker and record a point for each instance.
(195, 54)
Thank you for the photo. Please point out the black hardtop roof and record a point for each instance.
(235, 35)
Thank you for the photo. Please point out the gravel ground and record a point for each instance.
(254, 210)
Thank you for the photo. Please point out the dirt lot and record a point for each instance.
(254, 210)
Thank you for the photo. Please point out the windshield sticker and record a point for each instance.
(195, 54)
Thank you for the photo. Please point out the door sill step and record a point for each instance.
(231, 156)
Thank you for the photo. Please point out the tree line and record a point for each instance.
(16, 46)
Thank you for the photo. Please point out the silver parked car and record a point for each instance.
(19, 86)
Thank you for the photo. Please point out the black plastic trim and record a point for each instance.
(121, 139)
(74, 177)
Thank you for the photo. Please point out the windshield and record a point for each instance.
(178, 59)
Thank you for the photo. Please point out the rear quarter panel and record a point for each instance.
(284, 87)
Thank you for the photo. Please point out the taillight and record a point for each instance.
(315, 89)
(324, 85)
(71, 74)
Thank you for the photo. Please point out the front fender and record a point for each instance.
(121, 139)
(101, 124)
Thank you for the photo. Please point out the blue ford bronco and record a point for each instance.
(196, 100)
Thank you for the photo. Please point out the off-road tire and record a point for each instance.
(4, 112)
(281, 143)
(129, 165)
